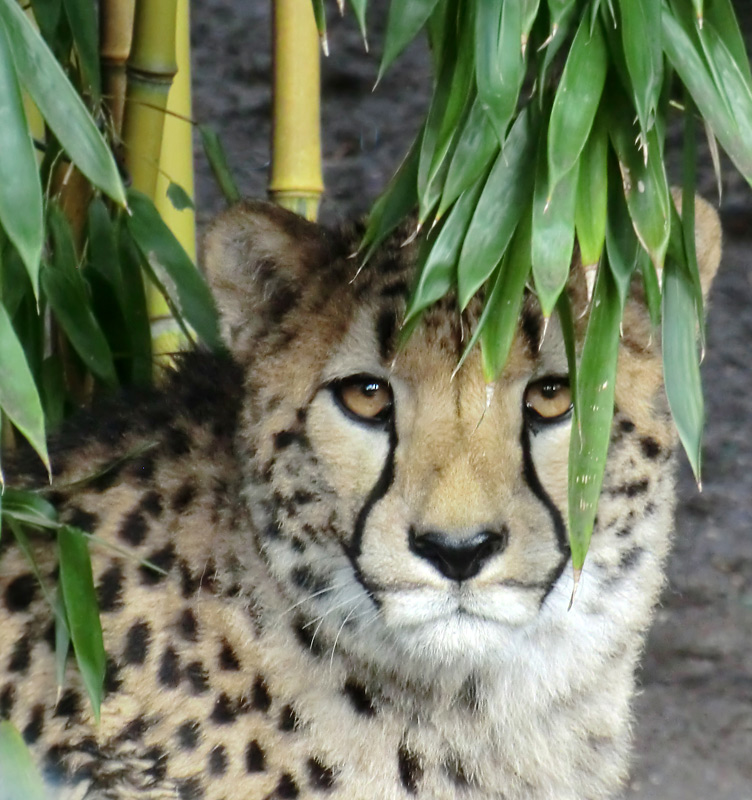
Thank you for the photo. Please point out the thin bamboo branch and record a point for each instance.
(296, 182)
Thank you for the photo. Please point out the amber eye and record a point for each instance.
(548, 399)
(364, 397)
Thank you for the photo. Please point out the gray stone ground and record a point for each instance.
(693, 732)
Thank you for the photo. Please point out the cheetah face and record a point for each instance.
(401, 504)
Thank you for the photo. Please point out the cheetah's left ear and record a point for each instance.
(256, 254)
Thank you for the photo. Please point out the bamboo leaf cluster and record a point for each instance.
(546, 133)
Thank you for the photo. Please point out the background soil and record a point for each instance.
(693, 734)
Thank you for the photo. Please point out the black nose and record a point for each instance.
(457, 559)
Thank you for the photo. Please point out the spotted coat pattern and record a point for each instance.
(280, 613)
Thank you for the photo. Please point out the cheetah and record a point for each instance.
(364, 579)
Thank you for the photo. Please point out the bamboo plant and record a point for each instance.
(547, 128)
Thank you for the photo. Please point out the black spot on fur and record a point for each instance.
(224, 712)
(33, 729)
(134, 730)
(287, 788)
(385, 327)
(110, 588)
(188, 734)
(190, 789)
(304, 578)
(635, 488)
(288, 719)
(158, 770)
(48, 637)
(456, 771)
(133, 529)
(650, 448)
(137, 642)
(142, 467)
(69, 704)
(197, 678)
(188, 626)
(283, 300)
(54, 764)
(630, 557)
(112, 680)
(255, 759)
(227, 659)
(151, 503)
(178, 442)
(107, 478)
(7, 698)
(21, 592)
(169, 669)
(85, 520)
(189, 582)
(184, 496)
(20, 658)
(530, 324)
(359, 698)
(410, 770)
(260, 699)
(163, 558)
(320, 776)
(305, 637)
(217, 760)
(283, 439)
(626, 426)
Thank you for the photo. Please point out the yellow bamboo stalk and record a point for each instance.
(115, 37)
(151, 67)
(296, 181)
(176, 159)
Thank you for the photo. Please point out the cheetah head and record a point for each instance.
(402, 505)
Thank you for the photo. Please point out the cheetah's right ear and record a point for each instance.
(255, 255)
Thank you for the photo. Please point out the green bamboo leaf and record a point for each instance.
(576, 100)
(394, 204)
(21, 778)
(681, 367)
(19, 397)
(20, 189)
(450, 102)
(82, 16)
(566, 320)
(593, 412)
(405, 19)
(185, 285)
(641, 40)
(29, 508)
(102, 252)
(179, 198)
(592, 195)
(501, 204)
(476, 147)
(652, 290)
(504, 303)
(68, 296)
(553, 233)
(16, 284)
(713, 105)
(80, 600)
(644, 182)
(698, 6)
(622, 245)
(319, 14)
(215, 154)
(499, 61)
(359, 8)
(59, 103)
(62, 638)
(719, 14)
(135, 308)
(439, 272)
(562, 16)
(47, 14)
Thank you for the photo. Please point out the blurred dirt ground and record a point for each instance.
(693, 730)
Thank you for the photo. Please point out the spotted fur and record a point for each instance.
(304, 636)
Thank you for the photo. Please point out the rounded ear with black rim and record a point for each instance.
(256, 256)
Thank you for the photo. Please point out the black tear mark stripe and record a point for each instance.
(560, 529)
(380, 488)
